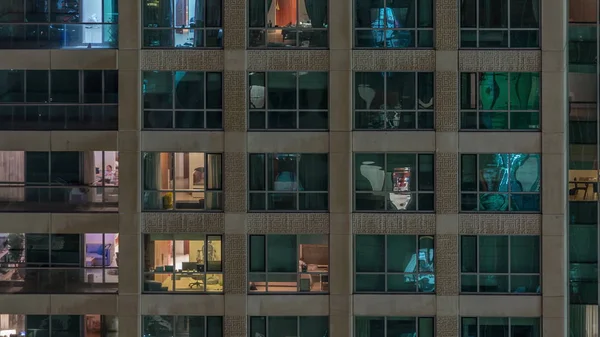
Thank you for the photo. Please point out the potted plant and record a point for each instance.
(167, 200)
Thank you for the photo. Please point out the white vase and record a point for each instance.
(367, 94)
(374, 174)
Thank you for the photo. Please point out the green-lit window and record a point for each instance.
(500, 264)
(394, 263)
(371, 326)
(288, 263)
(192, 326)
(500, 101)
(500, 327)
(393, 182)
(280, 326)
(393, 100)
(500, 23)
(500, 182)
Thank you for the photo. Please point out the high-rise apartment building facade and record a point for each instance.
(306, 168)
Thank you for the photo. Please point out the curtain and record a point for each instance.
(89, 175)
(258, 12)
(213, 179)
(151, 174)
(362, 328)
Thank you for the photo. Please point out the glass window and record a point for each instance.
(183, 100)
(288, 23)
(393, 182)
(499, 24)
(59, 24)
(500, 327)
(370, 326)
(500, 264)
(288, 101)
(394, 263)
(288, 182)
(393, 24)
(60, 263)
(393, 101)
(192, 326)
(283, 326)
(183, 263)
(182, 181)
(288, 263)
(58, 99)
(501, 182)
(500, 101)
(182, 24)
(59, 181)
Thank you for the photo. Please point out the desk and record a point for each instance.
(576, 186)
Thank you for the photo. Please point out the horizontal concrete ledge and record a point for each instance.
(182, 304)
(70, 304)
(184, 141)
(393, 141)
(500, 306)
(288, 142)
(288, 305)
(60, 222)
(59, 141)
(394, 305)
(500, 142)
(63, 59)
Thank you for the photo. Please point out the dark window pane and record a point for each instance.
(468, 254)
(12, 86)
(282, 254)
(214, 326)
(64, 86)
(37, 167)
(313, 172)
(311, 326)
(282, 90)
(189, 119)
(257, 257)
(214, 91)
(493, 254)
(257, 172)
(370, 253)
(111, 86)
(158, 119)
(158, 90)
(92, 86)
(281, 120)
(313, 120)
(37, 86)
(401, 251)
(313, 90)
(189, 90)
(525, 254)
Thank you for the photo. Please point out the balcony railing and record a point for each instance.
(58, 36)
(73, 280)
(59, 117)
(59, 199)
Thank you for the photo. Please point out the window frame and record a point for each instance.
(508, 30)
(509, 326)
(266, 318)
(266, 192)
(416, 193)
(175, 318)
(298, 29)
(417, 111)
(298, 272)
(509, 274)
(416, 30)
(478, 193)
(296, 110)
(385, 273)
(417, 320)
(109, 109)
(508, 112)
(218, 193)
(173, 110)
(173, 274)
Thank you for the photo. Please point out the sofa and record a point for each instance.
(95, 252)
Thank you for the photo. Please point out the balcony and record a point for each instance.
(58, 36)
(73, 280)
(61, 199)
(59, 117)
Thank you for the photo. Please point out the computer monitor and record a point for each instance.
(188, 266)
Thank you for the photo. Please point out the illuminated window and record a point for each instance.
(288, 23)
(182, 181)
(503, 182)
(394, 263)
(500, 101)
(288, 263)
(500, 264)
(183, 263)
(393, 182)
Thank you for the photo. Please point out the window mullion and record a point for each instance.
(385, 258)
(266, 264)
(509, 263)
(477, 259)
(385, 157)
(417, 167)
(266, 194)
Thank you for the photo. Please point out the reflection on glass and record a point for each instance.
(370, 326)
(394, 182)
(393, 100)
(500, 101)
(500, 182)
(499, 24)
(182, 100)
(288, 100)
(182, 24)
(302, 326)
(186, 262)
(168, 326)
(500, 264)
(289, 181)
(181, 181)
(288, 263)
(500, 326)
(409, 267)
(393, 24)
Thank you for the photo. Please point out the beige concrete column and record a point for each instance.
(340, 169)
(554, 168)
(235, 168)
